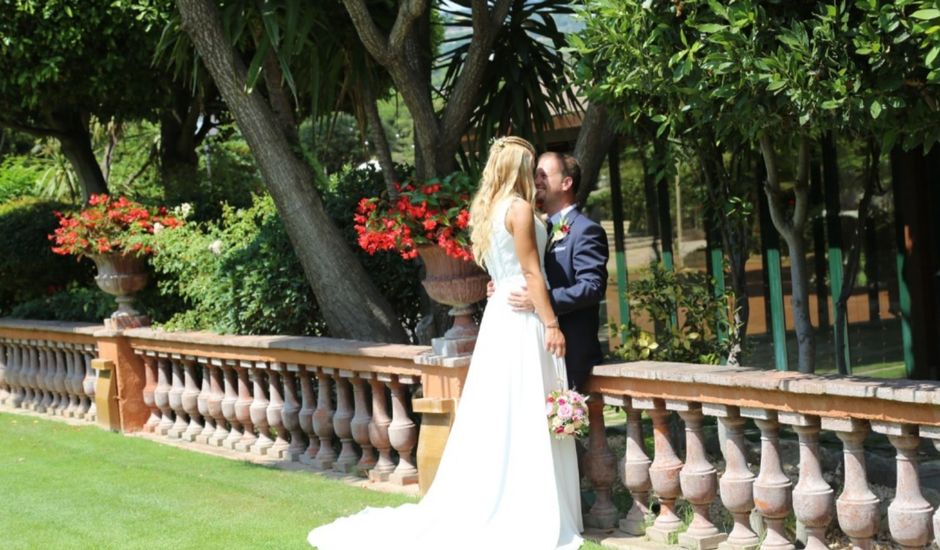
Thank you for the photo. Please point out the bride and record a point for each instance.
(503, 481)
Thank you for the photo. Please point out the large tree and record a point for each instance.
(352, 307)
(65, 61)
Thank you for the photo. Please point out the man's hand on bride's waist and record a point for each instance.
(519, 300)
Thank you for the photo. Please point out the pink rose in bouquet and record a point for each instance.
(567, 414)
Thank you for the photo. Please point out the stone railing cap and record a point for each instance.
(905, 391)
(50, 326)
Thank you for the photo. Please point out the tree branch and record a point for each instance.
(369, 33)
(34, 130)
(379, 139)
(801, 189)
(408, 13)
(772, 189)
(463, 98)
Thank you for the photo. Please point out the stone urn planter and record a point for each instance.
(459, 284)
(122, 276)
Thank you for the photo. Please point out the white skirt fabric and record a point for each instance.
(503, 480)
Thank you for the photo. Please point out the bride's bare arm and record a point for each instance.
(521, 224)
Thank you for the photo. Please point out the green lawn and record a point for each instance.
(80, 487)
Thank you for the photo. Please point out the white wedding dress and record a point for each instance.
(503, 480)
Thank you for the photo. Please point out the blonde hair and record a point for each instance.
(508, 173)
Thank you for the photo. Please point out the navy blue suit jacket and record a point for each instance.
(576, 268)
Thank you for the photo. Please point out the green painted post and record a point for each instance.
(770, 243)
(616, 204)
(904, 293)
(830, 164)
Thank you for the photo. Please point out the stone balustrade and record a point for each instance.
(805, 405)
(46, 368)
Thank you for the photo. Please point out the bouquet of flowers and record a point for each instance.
(110, 225)
(436, 213)
(567, 413)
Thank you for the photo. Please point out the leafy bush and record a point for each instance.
(76, 303)
(28, 268)
(690, 337)
(18, 177)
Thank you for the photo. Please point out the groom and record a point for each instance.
(575, 265)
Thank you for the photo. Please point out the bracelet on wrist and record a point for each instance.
(553, 324)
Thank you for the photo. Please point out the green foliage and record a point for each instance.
(237, 275)
(75, 303)
(18, 177)
(28, 268)
(693, 337)
(333, 141)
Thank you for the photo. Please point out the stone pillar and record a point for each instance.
(600, 466)
(909, 514)
(933, 434)
(664, 473)
(402, 433)
(259, 411)
(176, 398)
(772, 486)
(323, 421)
(291, 416)
(636, 472)
(308, 405)
(129, 370)
(109, 416)
(191, 400)
(737, 483)
(276, 410)
(360, 423)
(161, 395)
(342, 424)
(812, 496)
(857, 507)
(698, 480)
(378, 429)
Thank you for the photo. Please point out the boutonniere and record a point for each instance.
(561, 230)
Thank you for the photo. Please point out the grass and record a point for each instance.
(66, 487)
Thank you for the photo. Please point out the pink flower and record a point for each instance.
(565, 411)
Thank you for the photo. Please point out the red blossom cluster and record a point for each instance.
(109, 225)
(433, 214)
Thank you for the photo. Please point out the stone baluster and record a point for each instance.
(664, 472)
(9, 372)
(150, 387)
(290, 415)
(243, 407)
(772, 486)
(276, 410)
(229, 405)
(857, 508)
(600, 466)
(342, 424)
(202, 402)
(60, 398)
(323, 421)
(812, 496)
(4, 387)
(636, 472)
(909, 514)
(176, 398)
(32, 361)
(67, 400)
(402, 433)
(933, 434)
(89, 382)
(15, 374)
(259, 410)
(219, 392)
(360, 423)
(378, 429)
(161, 395)
(308, 404)
(737, 483)
(77, 372)
(45, 376)
(190, 399)
(698, 480)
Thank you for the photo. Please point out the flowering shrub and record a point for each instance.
(567, 414)
(437, 213)
(109, 225)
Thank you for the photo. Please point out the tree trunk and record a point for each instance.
(72, 132)
(594, 140)
(178, 158)
(791, 229)
(376, 133)
(352, 307)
